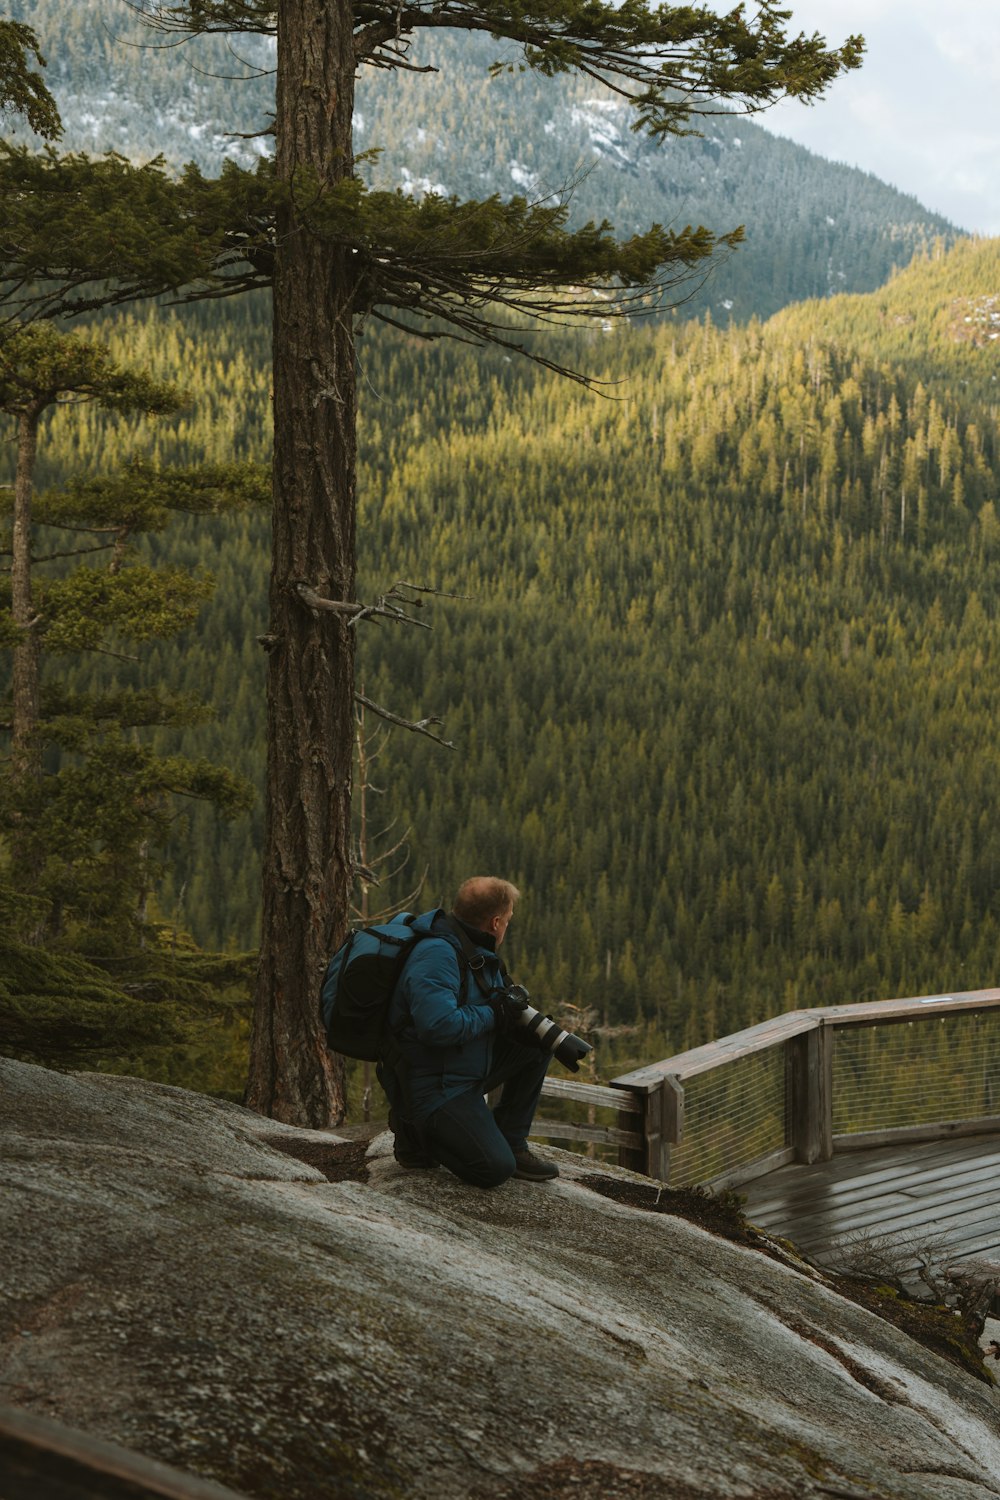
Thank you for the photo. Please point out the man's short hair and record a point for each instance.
(483, 897)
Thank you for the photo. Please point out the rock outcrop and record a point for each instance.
(176, 1279)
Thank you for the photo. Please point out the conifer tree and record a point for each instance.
(39, 367)
(336, 254)
(78, 834)
(22, 89)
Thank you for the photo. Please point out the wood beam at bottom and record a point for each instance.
(40, 1457)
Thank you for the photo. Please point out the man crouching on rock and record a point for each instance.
(455, 1039)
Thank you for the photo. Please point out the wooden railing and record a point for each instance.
(800, 1087)
(41, 1459)
(627, 1134)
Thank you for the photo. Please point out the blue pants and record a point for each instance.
(476, 1143)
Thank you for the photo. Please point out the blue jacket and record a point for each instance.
(444, 1026)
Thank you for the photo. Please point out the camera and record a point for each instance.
(569, 1049)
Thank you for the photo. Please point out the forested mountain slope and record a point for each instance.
(813, 227)
(725, 687)
(940, 321)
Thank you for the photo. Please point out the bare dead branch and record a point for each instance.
(76, 526)
(397, 846)
(406, 903)
(249, 135)
(423, 588)
(418, 726)
(391, 874)
(316, 601)
(976, 1284)
(392, 605)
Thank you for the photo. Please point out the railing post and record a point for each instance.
(809, 1094)
(653, 1142)
(634, 1157)
(661, 1125)
(672, 1122)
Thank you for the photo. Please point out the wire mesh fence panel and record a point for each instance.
(917, 1072)
(732, 1116)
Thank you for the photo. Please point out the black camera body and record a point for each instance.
(564, 1045)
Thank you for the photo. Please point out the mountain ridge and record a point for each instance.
(813, 227)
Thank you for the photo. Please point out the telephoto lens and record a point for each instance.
(568, 1048)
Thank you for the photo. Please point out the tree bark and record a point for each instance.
(307, 852)
(26, 753)
(26, 750)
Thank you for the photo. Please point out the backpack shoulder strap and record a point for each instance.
(393, 1053)
(475, 959)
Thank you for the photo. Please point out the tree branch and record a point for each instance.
(76, 552)
(418, 726)
(117, 655)
(385, 605)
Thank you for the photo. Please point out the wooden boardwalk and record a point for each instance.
(942, 1192)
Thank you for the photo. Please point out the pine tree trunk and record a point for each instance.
(26, 755)
(26, 752)
(307, 850)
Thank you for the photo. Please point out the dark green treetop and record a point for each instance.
(22, 91)
(40, 366)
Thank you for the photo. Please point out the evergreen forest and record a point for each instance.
(717, 647)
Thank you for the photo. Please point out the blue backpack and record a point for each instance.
(358, 986)
(360, 980)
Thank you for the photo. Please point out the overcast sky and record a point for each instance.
(923, 112)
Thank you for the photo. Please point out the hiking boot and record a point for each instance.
(409, 1153)
(407, 1146)
(532, 1168)
(414, 1161)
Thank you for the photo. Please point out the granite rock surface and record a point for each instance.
(175, 1278)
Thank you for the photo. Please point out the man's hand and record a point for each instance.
(506, 1006)
(502, 1016)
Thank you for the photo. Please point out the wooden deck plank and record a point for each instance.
(947, 1189)
(892, 1205)
(942, 1219)
(887, 1215)
(888, 1157)
(987, 1246)
(957, 1220)
(844, 1192)
(797, 1198)
(958, 1236)
(956, 1181)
